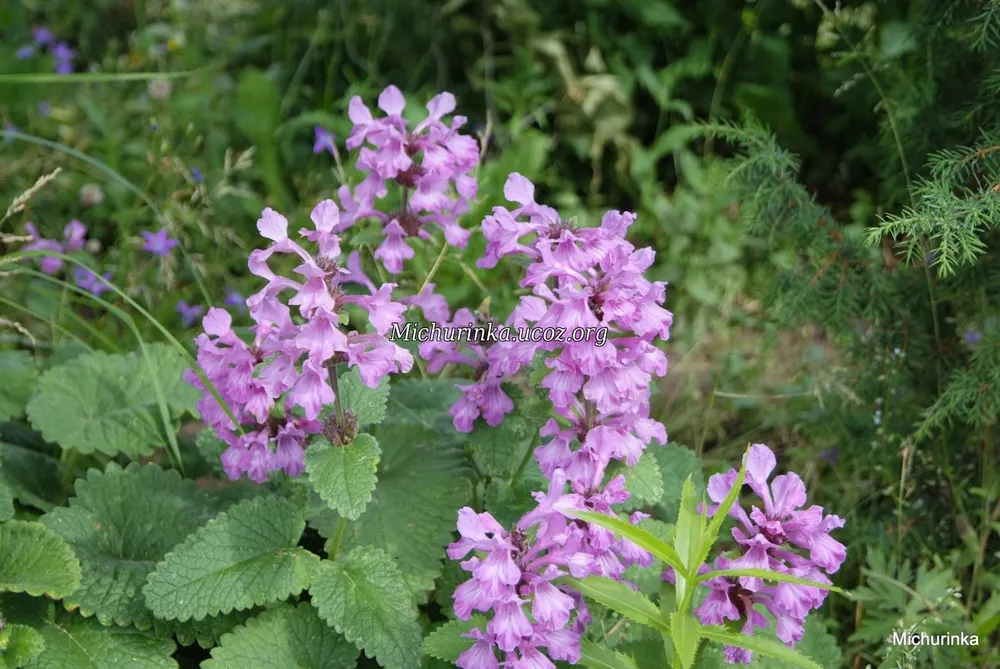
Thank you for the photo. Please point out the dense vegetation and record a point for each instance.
(820, 186)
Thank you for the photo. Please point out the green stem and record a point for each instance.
(524, 461)
(338, 534)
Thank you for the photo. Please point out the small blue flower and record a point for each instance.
(25, 52)
(196, 175)
(44, 109)
(972, 336)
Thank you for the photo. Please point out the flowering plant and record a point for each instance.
(519, 497)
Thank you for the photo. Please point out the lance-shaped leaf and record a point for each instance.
(447, 641)
(711, 532)
(363, 596)
(245, 557)
(35, 560)
(768, 575)
(621, 598)
(596, 656)
(344, 476)
(758, 644)
(120, 524)
(687, 539)
(636, 535)
(684, 636)
(282, 637)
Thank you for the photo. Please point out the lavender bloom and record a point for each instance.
(290, 358)
(87, 280)
(158, 243)
(189, 313)
(972, 336)
(25, 52)
(324, 141)
(42, 35)
(771, 539)
(74, 239)
(64, 58)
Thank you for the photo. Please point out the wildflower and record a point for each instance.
(9, 127)
(234, 299)
(158, 243)
(189, 313)
(291, 356)
(74, 239)
(431, 164)
(88, 280)
(91, 195)
(324, 141)
(196, 175)
(783, 538)
(972, 336)
(64, 58)
(25, 52)
(44, 109)
(42, 36)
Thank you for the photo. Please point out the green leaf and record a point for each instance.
(640, 537)
(596, 656)
(684, 635)
(758, 644)
(17, 379)
(768, 575)
(245, 557)
(676, 464)
(498, 450)
(120, 524)
(283, 637)
(368, 404)
(33, 477)
(644, 482)
(363, 596)
(205, 632)
(35, 560)
(817, 643)
(711, 533)
(423, 479)
(621, 598)
(210, 447)
(20, 644)
(423, 402)
(344, 476)
(105, 403)
(447, 643)
(85, 644)
(687, 537)
(6, 499)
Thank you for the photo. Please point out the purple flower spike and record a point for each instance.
(784, 537)
(324, 141)
(158, 243)
(189, 313)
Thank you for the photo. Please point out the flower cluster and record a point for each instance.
(517, 573)
(74, 239)
(294, 355)
(42, 38)
(579, 277)
(430, 163)
(783, 537)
